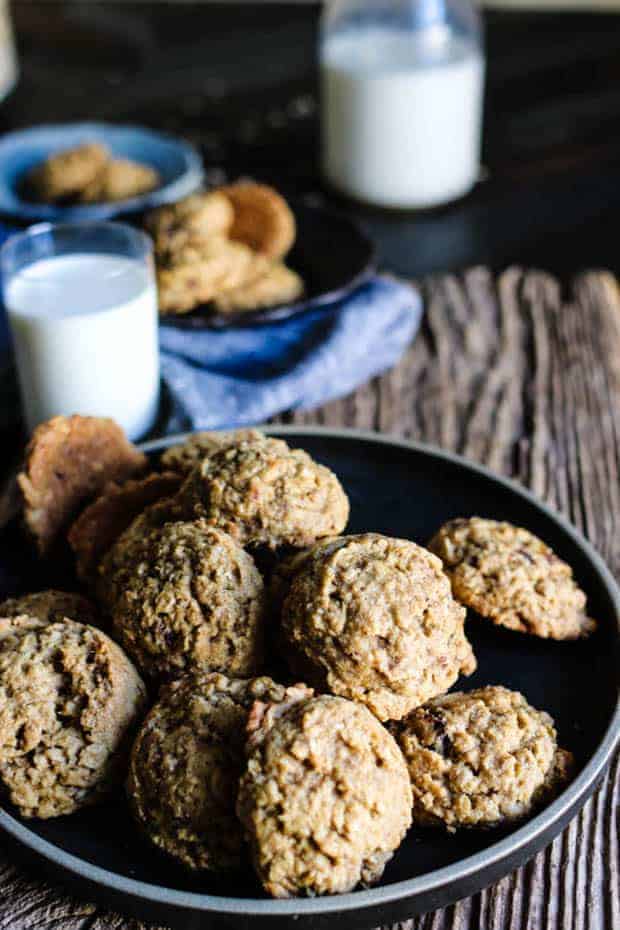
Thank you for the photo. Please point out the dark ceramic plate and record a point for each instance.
(402, 489)
(332, 255)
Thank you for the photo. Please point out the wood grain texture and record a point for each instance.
(515, 374)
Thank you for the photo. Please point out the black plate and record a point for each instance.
(332, 255)
(404, 490)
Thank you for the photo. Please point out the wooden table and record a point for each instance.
(512, 373)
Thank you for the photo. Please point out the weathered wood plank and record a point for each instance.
(512, 374)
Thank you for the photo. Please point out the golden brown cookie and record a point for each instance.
(263, 492)
(120, 179)
(199, 272)
(511, 577)
(50, 606)
(278, 285)
(262, 218)
(102, 522)
(186, 763)
(193, 220)
(65, 174)
(325, 800)
(480, 759)
(69, 699)
(372, 618)
(182, 458)
(191, 599)
(68, 460)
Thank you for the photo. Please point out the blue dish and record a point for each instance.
(177, 162)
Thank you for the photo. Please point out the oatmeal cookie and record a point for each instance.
(64, 175)
(51, 606)
(325, 800)
(109, 515)
(192, 598)
(263, 492)
(197, 446)
(69, 460)
(186, 763)
(480, 759)
(69, 699)
(372, 618)
(194, 219)
(512, 578)
(199, 272)
(120, 179)
(278, 285)
(262, 218)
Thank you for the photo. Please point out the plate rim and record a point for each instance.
(571, 798)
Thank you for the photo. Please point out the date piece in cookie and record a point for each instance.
(69, 699)
(278, 285)
(263, 492)
(325, 800)
(262, 218)
(65, 174)
(512, 578)
(186, 763)
(102, 522)
(191, 599)
(68, 460)
(51, 606)
(480, 759)
(373, 619)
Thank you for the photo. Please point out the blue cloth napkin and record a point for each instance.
(244, 375)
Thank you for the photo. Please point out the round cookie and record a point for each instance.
(372, 618)
(186, 763)
(512, 578)
(184, 457)
(66, 173)
(69, 698)
(325, 799)
(262, 218)
(480, 759)
(263, 492)
(193, 219)
(51, 606)
(192, 598)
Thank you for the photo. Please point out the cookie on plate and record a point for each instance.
(373, 619)
(262, 219)
(277, 285)
(68, 461)
(69, 700)
(50, 606)
(194, 219)
(120, 179)
(264, 492)
(325, 800)
(186, 763)
(183, 457)
(65, 174)
(509, 576)
(191, 599)
(480, 759)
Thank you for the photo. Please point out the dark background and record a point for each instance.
(240, 81)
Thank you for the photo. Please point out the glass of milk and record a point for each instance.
(402, 94)
(81, 302)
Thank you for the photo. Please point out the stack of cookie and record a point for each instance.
(317, 782)
(87, 173)
(226, 248)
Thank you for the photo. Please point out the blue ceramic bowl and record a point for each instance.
(177, 162)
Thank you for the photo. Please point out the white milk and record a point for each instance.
(85, 334)
(401, 128)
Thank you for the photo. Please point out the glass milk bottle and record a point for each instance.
(402, 91)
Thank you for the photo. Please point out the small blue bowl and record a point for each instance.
(177, 162)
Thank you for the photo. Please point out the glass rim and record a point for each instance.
(38, 229)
